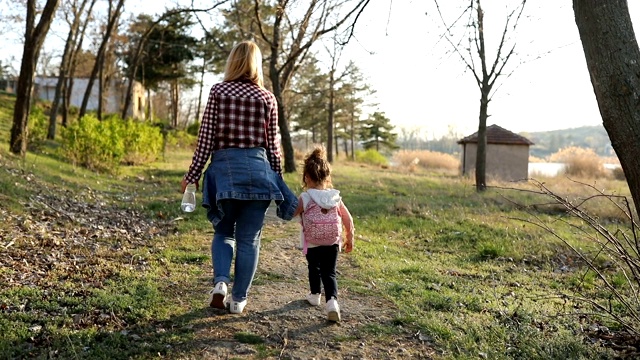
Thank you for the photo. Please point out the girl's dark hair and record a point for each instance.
(316, 167)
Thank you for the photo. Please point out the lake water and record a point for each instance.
(554, 169)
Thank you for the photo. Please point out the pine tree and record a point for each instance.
(377, 132)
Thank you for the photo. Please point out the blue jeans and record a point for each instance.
(239, 228)
(244, 174)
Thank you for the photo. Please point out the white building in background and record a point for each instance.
(45, 88)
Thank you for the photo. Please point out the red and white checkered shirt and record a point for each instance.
(239, 114)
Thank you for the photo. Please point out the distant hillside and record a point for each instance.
(549, 142)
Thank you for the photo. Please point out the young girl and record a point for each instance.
(323, 216)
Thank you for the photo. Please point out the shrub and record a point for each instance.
(610, 254)
(104, 145)
(93, 144)
(372, 157)
(193, 128)
(37, 128)
(580, 162)
(180, 139)
(618, 174)
(142, 143)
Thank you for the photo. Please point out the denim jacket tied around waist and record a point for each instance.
(244, 174)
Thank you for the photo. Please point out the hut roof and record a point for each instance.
(497, 135)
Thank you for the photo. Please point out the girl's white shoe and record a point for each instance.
(313, 299)
(333, 310)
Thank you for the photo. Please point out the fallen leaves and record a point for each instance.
(71, 242)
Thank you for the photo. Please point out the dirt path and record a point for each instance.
(281, 323)
(290, 328)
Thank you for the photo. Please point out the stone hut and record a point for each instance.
(507, 154)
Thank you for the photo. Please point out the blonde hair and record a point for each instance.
(245, 62)
(317, 168)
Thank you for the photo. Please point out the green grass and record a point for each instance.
(461, 268)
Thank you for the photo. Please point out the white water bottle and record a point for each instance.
(189, 198)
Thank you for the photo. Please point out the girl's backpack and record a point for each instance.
(321, 226)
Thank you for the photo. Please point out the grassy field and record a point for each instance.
(475, 275)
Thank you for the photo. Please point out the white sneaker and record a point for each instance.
(333, 310)
(313, 299)
(217, 295)
(236, 307)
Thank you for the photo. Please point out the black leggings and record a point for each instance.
(322, 262)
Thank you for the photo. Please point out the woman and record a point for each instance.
(239, 132)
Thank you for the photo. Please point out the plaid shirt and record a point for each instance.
(239, 114)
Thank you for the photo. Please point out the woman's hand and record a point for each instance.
(183, 186)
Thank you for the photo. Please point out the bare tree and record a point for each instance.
(287, 54)
(339, 82)
(113, 16)
(612, 54)
(334, 55)
(73, 15)
(33, 39)
(474, 55)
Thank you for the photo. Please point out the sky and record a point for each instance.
(421, 84)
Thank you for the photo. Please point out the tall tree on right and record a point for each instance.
(474, 55)
(613, 59)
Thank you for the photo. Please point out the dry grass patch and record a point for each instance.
(533, 159)
(603, 195)
(431, 160)
(580, 162)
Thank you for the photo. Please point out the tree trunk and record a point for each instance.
(65, 65)
(285, 136)
(73, 63)
(278, 89)
(283, 124)
(336, 140)
(174, 102)
(201, 84)
(481, 154)
(33, 40)
(100, 89)
(149, 110)
(330, 114)
(345, 144)
(353, 134)
(612, 54)
(66, 101)
(111, 23)
(485, 89)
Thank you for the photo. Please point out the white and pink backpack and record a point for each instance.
(321, 226)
